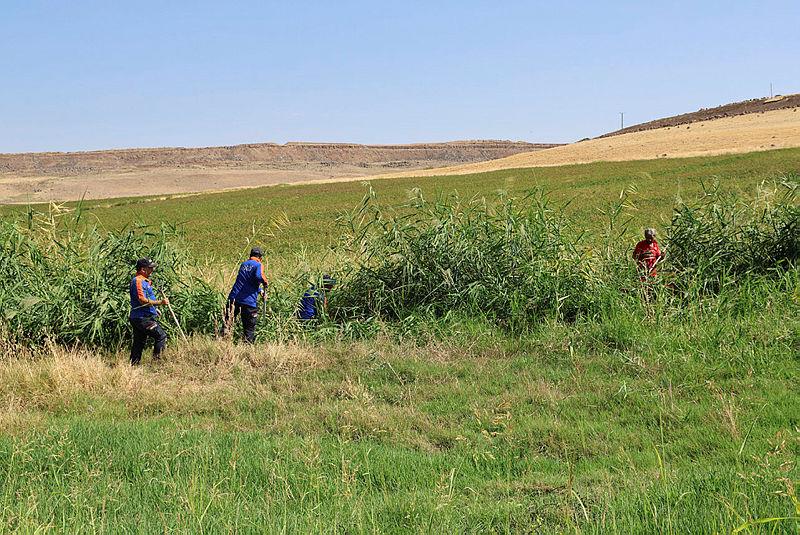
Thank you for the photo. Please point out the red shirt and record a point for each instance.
(646, 255)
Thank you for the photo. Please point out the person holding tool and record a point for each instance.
(243, 298)
(144, 315)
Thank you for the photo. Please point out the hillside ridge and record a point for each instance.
(775, 129)
(61, 176)
(260, 155)
(733, 109)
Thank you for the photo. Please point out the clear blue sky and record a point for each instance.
(96, 74)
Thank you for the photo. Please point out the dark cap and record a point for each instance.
(328, 280)
(257, 252)
(145, 263)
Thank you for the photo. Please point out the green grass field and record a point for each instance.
(219, 225)
(628, 424)
(671, 415)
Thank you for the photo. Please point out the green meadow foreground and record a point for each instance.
(487, 366)
(626, 424)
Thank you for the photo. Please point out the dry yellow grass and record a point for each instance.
(198, 372)
(745, 133)
(292, 388)
(196, 377)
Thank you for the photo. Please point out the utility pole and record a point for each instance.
(770, 90)
(621, 120)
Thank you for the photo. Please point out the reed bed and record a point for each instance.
(511, 262)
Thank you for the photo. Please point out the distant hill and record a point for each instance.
(758, 105)
(260, 156)
(735, 134)
(46, 176)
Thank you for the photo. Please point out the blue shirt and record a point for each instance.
(143, 297)
(245, 290)
(309, 303)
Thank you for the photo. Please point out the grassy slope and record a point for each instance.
(626, 424)
(219, 224)
(678, 422)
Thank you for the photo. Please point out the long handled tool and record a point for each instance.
(174, 317)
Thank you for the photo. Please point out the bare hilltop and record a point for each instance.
(734, 109)
(46, 176)
(751, 125)
(731, 129)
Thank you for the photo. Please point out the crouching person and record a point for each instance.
(315, 300)
(243, 299)
(144, 315)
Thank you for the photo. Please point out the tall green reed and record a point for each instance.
(65, 280)
(721, 237)
(518, 261)
(504, 261)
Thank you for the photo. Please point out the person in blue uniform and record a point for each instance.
(315, 299)
(144, 315)
(243, 298)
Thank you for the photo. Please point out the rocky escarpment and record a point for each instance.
(261, 156)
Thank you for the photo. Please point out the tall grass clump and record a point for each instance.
(64, 280)
(517, 261)
(722, 236)
(507, 260)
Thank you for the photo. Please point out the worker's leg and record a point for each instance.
(249, 321)
(139, 339)
(160, 337)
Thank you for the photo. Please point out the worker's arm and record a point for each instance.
(262, 279)
(141, 293)
(155, 300)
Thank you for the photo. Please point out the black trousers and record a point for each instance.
(144, 328)
(249, 319)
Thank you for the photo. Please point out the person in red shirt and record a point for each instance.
(647, 254)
